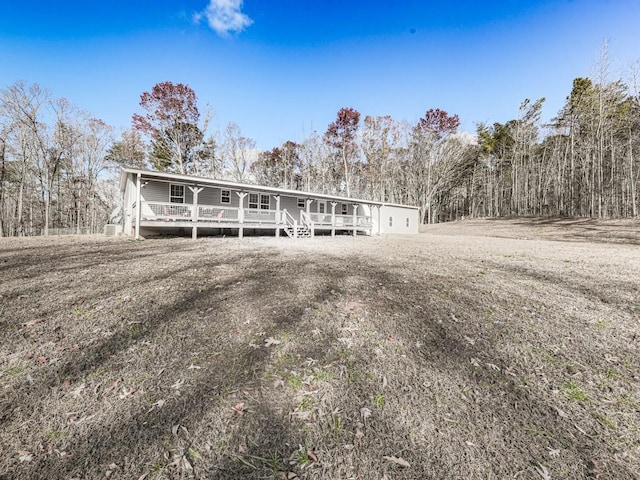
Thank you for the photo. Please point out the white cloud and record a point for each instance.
(225, 16)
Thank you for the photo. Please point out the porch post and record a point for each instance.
(241, 196)
(333, 218)
(277, 197)
(355, 219)
(309, 202)
(379, 219)
(138, 206)
(194, 211)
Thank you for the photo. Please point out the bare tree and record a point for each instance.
(238, 152)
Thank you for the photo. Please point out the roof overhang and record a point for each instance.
(166, 176)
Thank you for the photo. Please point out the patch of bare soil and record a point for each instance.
(475, 350)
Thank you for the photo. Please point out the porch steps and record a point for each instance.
(302, 231)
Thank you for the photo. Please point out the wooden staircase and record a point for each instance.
(294, 229)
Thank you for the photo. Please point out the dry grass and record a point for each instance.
(476, 350)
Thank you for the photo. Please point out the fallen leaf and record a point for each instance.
(287, 475)
(543, 472)
(239, 408)
(469, 340)
(76, 392)
(311, 454)
(359, 433)
(553, 453)
(186, 464)
(126, 393)
(194, 367)
(398, 461)
(561, 413)
(178, 384)
(242, 448)
(42, 359)
(33, 322)
(365, 412)
(470, 444)
(112, 386)
(271, 341)
(24, 456)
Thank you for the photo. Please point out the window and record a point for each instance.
(254, 198)
(391, 221)
(301, 203)
(259, 201)
(345, 209)
(322, 207)
(407, 222)
(176, 193)
(225, 196)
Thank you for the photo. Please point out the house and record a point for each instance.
(169, 203)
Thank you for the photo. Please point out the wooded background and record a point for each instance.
(59, 165)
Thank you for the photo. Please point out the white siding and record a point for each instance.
(211, 196)
(393, 219)
(155, 191)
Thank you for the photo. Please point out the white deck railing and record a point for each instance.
(326, 220)
(207, 213)
(363, 221)
(254, 215)
(166, 210)
(223, 214)
(321, 218)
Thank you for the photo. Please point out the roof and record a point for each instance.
(247, 186)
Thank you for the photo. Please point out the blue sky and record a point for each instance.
(281, 68)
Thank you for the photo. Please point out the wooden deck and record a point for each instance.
(159, 216)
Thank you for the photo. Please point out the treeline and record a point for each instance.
(55, 159)
(584, 163)
(52, 163)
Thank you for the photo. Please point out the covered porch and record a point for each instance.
(159, 216)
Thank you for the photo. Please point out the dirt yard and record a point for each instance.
(487, 349)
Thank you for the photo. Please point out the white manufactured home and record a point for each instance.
(157, 203)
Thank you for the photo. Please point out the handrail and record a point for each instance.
(305, 219)
(288, 219)
(290, 222)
